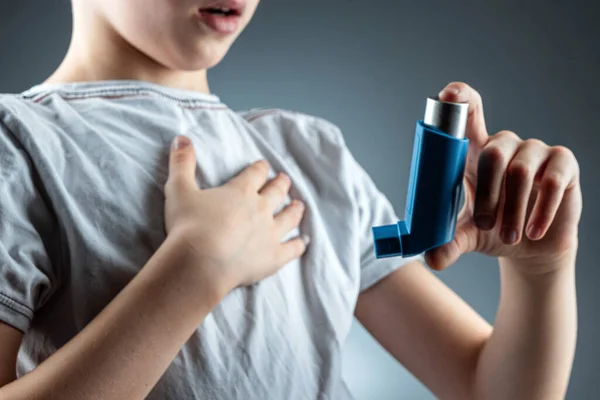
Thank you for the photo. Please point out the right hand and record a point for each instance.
(231, 230)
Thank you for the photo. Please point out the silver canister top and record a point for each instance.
(450, 118)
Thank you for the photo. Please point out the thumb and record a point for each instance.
(465, 241)
(182, 165)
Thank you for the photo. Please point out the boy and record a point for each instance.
(130, 270)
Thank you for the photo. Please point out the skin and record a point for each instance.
(511, 185)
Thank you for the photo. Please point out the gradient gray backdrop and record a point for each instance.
(368, 67)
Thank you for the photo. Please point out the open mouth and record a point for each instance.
(222, 18)
(225, 12)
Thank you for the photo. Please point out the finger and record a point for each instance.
(443, 256)
(182, 166)
(491, 168)
(252, 178)
(459, 92)
(560, 173)
(275, 191)
(289, 218)
(465, 241)
(291, 250)
(520, 176)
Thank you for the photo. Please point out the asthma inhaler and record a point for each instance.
(435, 185)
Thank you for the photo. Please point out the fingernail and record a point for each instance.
(533, 232)
(299, 203)
(180, 142)
(449, 90)
(509, 236)
(485, 222)
(306, 239)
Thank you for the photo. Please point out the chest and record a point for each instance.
(113, 187)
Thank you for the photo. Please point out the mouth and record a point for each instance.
(223, 16)
(223, 11)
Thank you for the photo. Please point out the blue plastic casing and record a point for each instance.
(434, 196)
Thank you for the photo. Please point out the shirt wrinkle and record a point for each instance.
(99, 151)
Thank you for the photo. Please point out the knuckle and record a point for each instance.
(291, 216)
(298, 207)
(179, 157)
(280, 192)
(533, 143)
(545, 217)
(520, 171)
(260, 166)
(293, 213)
(173, 183)
(281, 187)
(553, 181)
(254, 169)
(272, 191)
(285, 180)
(484, 200)
(563, 151)
(511, 221)
(507, 135)
(493, 155)
(298, 215)
(282, 219)
(511, 213)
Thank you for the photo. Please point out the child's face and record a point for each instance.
(179, 34)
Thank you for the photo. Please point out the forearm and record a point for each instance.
(125, 350)
(530, 353)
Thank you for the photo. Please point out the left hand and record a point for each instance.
(522, 197)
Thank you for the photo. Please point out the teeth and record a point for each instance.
(225, 9)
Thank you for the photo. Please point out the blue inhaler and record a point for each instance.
(435, 185)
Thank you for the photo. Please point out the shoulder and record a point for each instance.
(26, 131)
(13, 110)
(9, 101)
(16, 111)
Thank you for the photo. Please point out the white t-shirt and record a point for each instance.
(82, 174)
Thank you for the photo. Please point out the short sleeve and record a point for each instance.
(26, 275)
(374, 209)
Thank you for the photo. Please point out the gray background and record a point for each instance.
(368, 66)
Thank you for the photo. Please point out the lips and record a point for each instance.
(222, 16)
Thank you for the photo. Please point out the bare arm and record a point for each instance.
(11, 340)
(522, 205)
(531, 352)
(456, 354)
(427, 327)
(124, 351)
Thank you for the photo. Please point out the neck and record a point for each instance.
(97, 52)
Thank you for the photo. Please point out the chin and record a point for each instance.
(200, 58)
